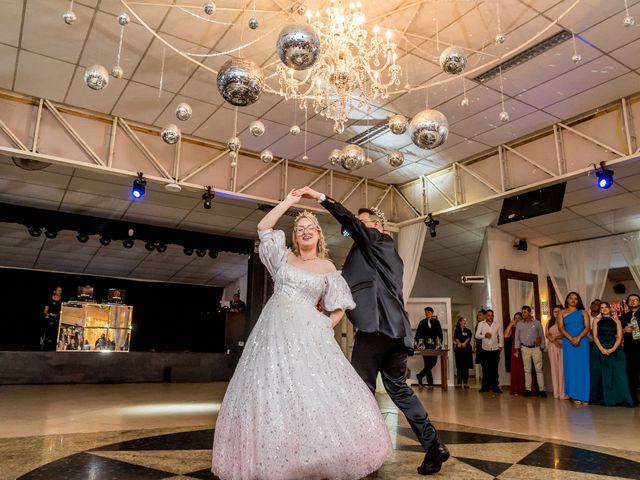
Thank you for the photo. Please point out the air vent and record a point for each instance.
(369, 134)
(524, 56)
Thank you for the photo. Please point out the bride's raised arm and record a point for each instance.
(271, 218)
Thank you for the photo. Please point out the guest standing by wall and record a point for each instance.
(554, 347)
(630, 322)
(516, 386)
(490, 332)
(574, 323)
(478, 347)
(430, 332)
(462, 348)
(51, 319)
(529, 341)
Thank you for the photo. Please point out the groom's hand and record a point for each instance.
(308, 192)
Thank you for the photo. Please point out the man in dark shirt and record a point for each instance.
(237, 305)
(429, 331)
(630, 322)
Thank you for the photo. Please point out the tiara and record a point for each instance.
(306, 214)
(380, 214)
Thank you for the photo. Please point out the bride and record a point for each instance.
(295, 408)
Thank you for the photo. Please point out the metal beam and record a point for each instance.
(12, 136)
(592, 140)
(350, 192)
(143, 148)
(527, 159)
(259, 177)
(448, 199)
(478, 177)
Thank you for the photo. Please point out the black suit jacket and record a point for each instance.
(424, 331)
(373, 269)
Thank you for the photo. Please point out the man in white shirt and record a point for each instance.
(490, 332)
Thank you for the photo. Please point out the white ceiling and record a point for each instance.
(44, 57)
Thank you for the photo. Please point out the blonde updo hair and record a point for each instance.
(321, 248)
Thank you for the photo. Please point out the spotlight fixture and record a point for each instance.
(35, 231)
(50, 233)
(431, 225)
(201, 252)
(139, 187)
(213, 254)
(161, 247)
(187, 251)
(345, 232)
(105, 241)
(150, 246)
(127, 243)
(521, 245)
(82, 237)
(207, 196)
(605, 176)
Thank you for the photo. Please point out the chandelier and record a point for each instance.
(354, 68)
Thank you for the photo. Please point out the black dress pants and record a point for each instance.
(429, 363)
(632, 353)
(490, 360)
(373, 354)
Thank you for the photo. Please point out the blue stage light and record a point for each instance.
(605, 177)
(139, 187)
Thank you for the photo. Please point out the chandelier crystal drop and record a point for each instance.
(356, 66)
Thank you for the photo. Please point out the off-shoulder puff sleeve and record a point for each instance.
(337, 294)
(273, 249)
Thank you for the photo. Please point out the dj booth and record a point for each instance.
(91, 327)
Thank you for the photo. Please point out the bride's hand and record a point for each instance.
(308, 192)
(294, 196)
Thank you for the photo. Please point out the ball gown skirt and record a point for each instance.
(575, 359)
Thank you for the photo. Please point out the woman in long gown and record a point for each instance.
(554, 347)
(575, 324)
(295, 408)
(462, 348)
(516, 386)
(609, 385)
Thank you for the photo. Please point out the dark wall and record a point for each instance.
(166, 316)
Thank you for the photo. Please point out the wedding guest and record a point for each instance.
(630, 322)
(478, 347)
(554, 347)
(490, 333)
(237, 305)
(609, 383)
(574, 323)
(430, 332)
(529, 340)
(51, 318)
(516, 386)
(462, 348)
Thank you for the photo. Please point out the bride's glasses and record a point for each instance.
(307, 229)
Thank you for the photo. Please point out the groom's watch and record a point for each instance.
(322, 198)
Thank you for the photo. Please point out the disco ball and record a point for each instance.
(123, 19)
(209, 8)
(334, 156)
(453, 60)
(233, 144)
(184, 112)
(170, 134)
(96, 77)
(240, 82)
(629, 21)
(256, 128)
(500, 38)
(396, 158)
(305, 158)
(352, 157)
(266, 156)
(464, 102)
(117, 72)
(298, 46)
(398, 124)
(253, 23)
(429, 129)
(368, 161)
(576, 58)
(69, 17)
(504, 116)
(294, 130)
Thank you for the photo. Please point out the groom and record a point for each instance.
(373, 270)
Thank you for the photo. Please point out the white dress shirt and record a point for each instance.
(496, 341)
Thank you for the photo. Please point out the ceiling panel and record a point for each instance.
(34, 73)
(8, 65)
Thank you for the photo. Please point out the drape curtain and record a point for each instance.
(581, 267)
(629, 246)
(410, 242)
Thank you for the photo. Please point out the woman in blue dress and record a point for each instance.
(574, 324)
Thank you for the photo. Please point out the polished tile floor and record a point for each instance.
(164, 431)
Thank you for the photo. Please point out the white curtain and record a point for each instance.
(580, 267)
(410, 242)
(629, 246)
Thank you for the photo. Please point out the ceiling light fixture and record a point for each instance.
(187, 251)
(201, 252)
(104, 241)
(82, 237)
(431, 224)
(150, 246)
(605, 176)
(161, 247)
(50, 233)
(213, 254)
(127, 243)
(35, 231)
(208, 196)
(139, 187)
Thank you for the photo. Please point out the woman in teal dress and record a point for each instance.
(574, 323)
(609, 385)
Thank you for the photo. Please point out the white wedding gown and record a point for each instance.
(295, 408)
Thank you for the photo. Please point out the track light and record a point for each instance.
(431, 224)
(35, 231)
(50, 233)
(128, 243)
(521, 245)
(207, 196)
(213, 254)
(201, 252)
(187, 251)
(161, 247)
(82, 237)
(345, 232)
(139, 187)
(605, 177)
(105, 241)
(150, 246)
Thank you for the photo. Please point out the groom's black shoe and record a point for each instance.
(419, 377)
(434, 458)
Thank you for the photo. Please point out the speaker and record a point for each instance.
(532, 204)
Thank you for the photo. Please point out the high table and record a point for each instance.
(443, 354)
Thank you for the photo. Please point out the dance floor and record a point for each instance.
(165, 431)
